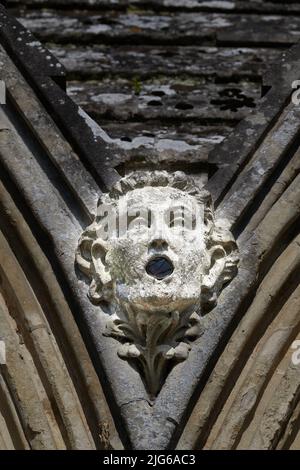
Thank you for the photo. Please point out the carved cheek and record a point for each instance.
(195, 248)
(127, 259)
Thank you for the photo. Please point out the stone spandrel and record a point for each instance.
(241, 326)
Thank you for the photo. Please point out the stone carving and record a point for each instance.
(157, 260)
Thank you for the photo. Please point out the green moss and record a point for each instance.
(137, 85)
(135, 10)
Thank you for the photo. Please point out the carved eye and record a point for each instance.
(159, 267)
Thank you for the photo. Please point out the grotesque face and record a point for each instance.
(154, 246)
(157, 259)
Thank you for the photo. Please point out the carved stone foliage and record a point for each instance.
(157, 260)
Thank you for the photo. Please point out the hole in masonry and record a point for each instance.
(184, 106)
(158, 93)
(148, 134)
(166, 53)
(154, 103)
(159, 267)
(105, 306)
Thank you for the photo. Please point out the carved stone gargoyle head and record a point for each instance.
(157, 260)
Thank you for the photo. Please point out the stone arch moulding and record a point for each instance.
(56, 186)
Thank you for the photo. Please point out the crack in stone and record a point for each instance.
(135, 400)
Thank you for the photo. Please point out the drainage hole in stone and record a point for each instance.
(184, 106)
(148, 134)
(154, 103)
(158, 93)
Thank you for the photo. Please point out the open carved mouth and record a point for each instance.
(159, 267)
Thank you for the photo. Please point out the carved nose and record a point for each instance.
(159, 267)
(158, 244)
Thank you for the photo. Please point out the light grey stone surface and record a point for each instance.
(245, 317)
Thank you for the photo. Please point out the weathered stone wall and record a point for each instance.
(169, 79)
(63, 385)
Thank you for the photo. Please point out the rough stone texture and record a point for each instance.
(97, 61)
(246, 6)
(170, 100)
(227, 392)
(181, 28)
(38, 67)
(195, 58)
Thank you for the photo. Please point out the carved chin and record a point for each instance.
(158, 299)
